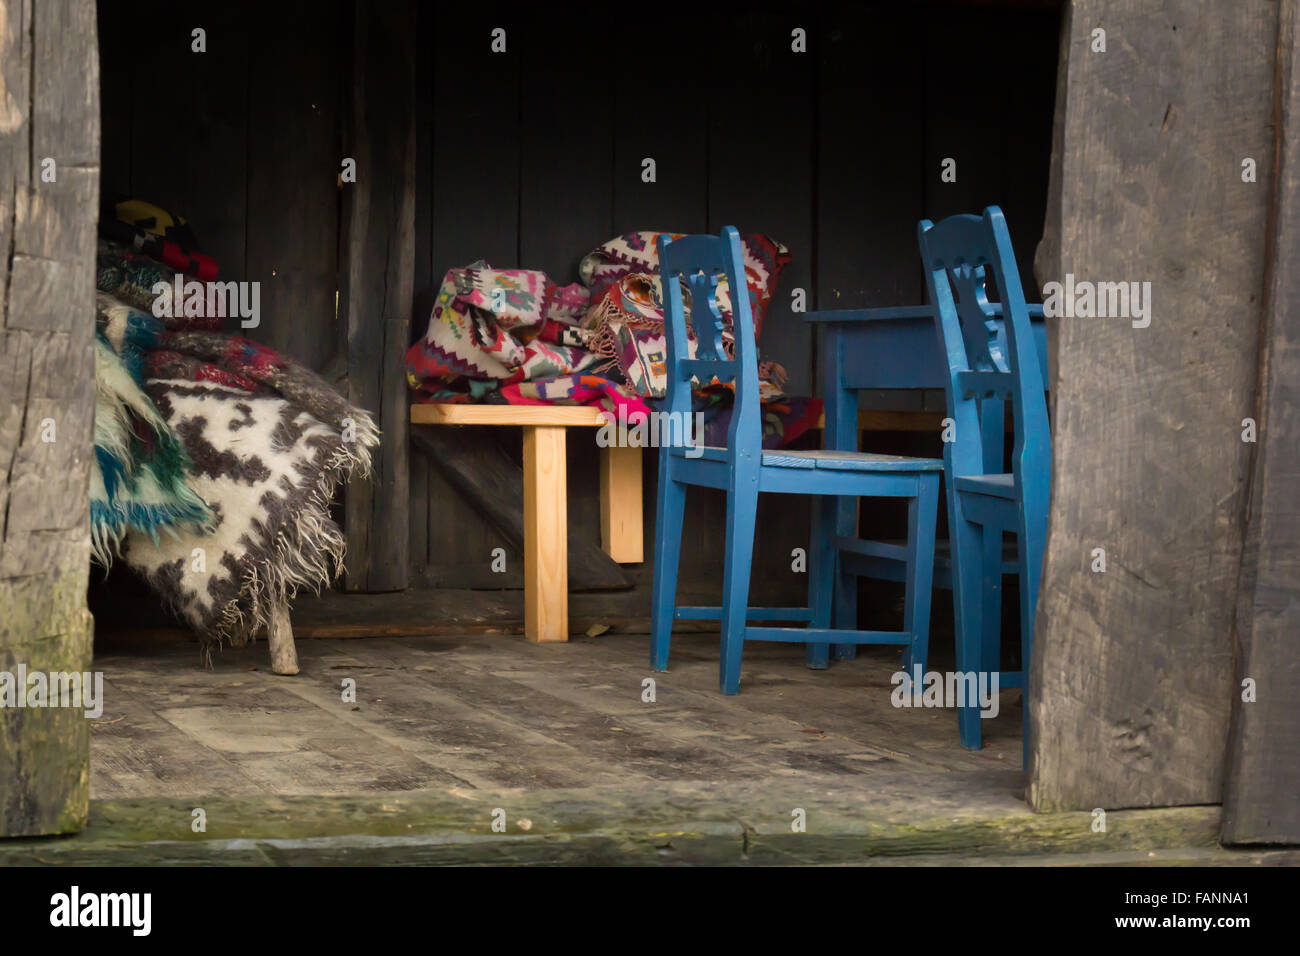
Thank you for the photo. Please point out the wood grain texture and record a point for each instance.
(49, 108)
(546, 552)
(566, 186)
(756, 186)
(1132, 675)
(376, 284)
(440, 414)
(491, 485)
(1262, 791)
(294, 153)
(621, 506)
(189, 137)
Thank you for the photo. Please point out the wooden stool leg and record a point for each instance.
(621, 504)
(279, 635)
(546, 535)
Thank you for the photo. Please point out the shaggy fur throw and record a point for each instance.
(268, 469)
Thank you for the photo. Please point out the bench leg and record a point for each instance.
(621, 504)
(546, 535)
(279, 635)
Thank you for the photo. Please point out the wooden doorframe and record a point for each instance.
(49, 206)
(1261, 801)
(1137, 672)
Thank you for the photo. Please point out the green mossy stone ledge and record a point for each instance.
(680, 824)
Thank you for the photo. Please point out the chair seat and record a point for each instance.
(998, 486)
(832, 460)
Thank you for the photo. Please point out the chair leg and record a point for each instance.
(821, 576)
(991, 582)
(742, 508)
(922, 516)
(967, 593)
(1030, 545)
(846, 610)
(846, 582)
(668, 540)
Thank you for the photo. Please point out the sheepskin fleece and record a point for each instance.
(267, 468)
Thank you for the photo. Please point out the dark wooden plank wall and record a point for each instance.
(376, 281)
(535, 158)
(242, 140)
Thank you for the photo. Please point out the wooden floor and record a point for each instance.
(451, 734)
(492, 712)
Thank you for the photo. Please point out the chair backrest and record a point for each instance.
(698, 262)
(991, 357)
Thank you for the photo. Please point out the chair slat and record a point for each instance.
(706, 370)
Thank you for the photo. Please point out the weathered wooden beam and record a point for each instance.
(854, 825)
(49, 201)
(493, 486)
(1262, 792)
(1132, 676)
(377, 264)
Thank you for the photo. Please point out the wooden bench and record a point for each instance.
(546, 518)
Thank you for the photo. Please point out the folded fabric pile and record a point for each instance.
(514, 336)
(217, 458)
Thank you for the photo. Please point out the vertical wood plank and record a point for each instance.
(473, 169)
(678, 199)
(1132, 674)
(425, 284)
(1261, 800)
(49, 104)
(294, 160)
(869, 160)
(475, 139)
(546, 537)
(376, 284)
(761, 164)
(189, 136)
(566, 193)
(620, 504)
(962, 116)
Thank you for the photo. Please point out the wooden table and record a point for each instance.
(546, 509)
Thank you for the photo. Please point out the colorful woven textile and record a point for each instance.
(513, 336)
(244, 451)
(498, 325)
(263, 442)
(144, 227)
(638, 252)
(783, 418)
(130, 277)
(578, 390)
(140, 475)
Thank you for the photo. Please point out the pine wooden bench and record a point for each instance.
(546, 519)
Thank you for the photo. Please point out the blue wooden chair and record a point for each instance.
(992, 358)
(743, 469)
(896, 347)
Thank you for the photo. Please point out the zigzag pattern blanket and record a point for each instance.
(243, 446)
(268, 470)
